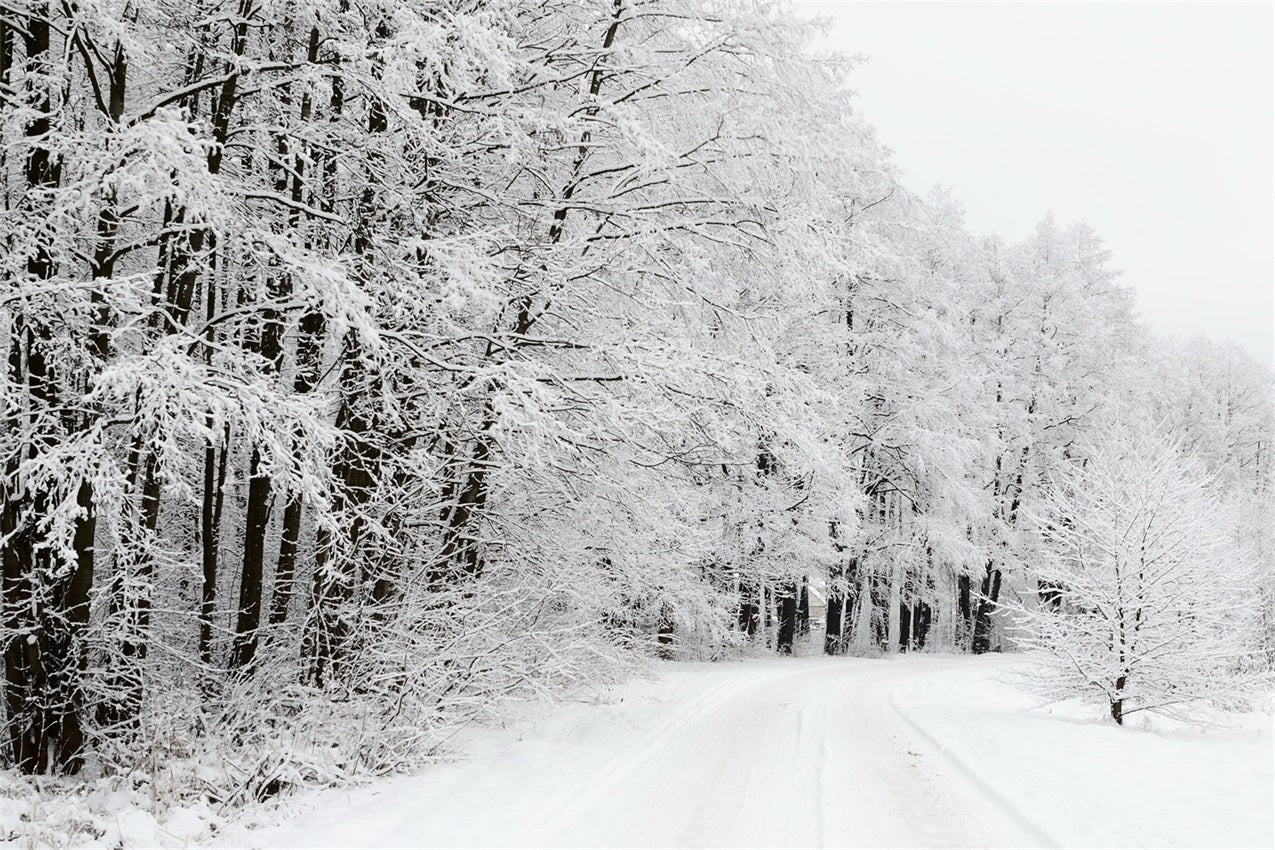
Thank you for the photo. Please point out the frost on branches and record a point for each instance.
(1144, 601)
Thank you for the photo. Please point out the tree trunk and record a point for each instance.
(787, 616)
(331, 620)
(988, 597)
(44, 596)
(879, 611)
(965, 621)
(209, 539)
(250, 577)
(803, 608)
(747, 613)
(465, 495)
(921, 614)
(290, 533)
(1117, 704)
(833, 644)
(178, 271)
(905, 627)
(309, 345)
(665, 636)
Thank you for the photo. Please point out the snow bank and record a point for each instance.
(66, 813)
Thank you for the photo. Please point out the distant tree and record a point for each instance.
(1148, 594)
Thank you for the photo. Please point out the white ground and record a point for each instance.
(904, 752)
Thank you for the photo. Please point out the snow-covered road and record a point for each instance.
(808, 752)
(796, 753)
(811, 757)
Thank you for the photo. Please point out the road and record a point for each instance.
(806, 753)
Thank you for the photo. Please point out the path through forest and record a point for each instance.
(813, 757)
(914, 751)
(801, 752)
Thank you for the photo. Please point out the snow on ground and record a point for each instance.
(1086, 782)
(921, 751)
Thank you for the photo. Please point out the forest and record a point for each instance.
(369, 363)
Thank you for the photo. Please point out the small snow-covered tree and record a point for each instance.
(1144, 599)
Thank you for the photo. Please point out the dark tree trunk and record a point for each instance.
(840, 615)
(665, 636)
(67, 643)
(765, 612)
(261, 486)
(24, 683)
(209, 539)
(832, 640)
(990, 593)
(921, 615)
(286, 568)
(803, 608)
(309, 345)
(965, 624)
(130, 600)
(68, 646)
(1117, 704)
(307, 376)
(848, 621)
(832, 643)
(330, 623)
(181, 264)
(905, 627)
(787, 613)
(250, 577)
(44, 596)
(879, 599)
(261, 491)
(465, 496)
(748, 613)
(215, 463)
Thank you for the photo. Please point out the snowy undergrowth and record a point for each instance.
(193, 794)
(241, 757)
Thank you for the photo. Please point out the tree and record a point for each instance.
(1147, 595)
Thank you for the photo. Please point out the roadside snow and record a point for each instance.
(1086, 782)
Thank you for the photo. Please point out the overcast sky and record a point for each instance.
(1151, 121)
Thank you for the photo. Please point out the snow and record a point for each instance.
(1088, 782)
(921, 751)
(67, 813)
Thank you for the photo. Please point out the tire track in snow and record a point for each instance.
(802, 759)
(811, 753)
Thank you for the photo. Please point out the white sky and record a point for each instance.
(1151, 121)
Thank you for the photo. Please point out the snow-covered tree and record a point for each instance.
(1145, 598)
